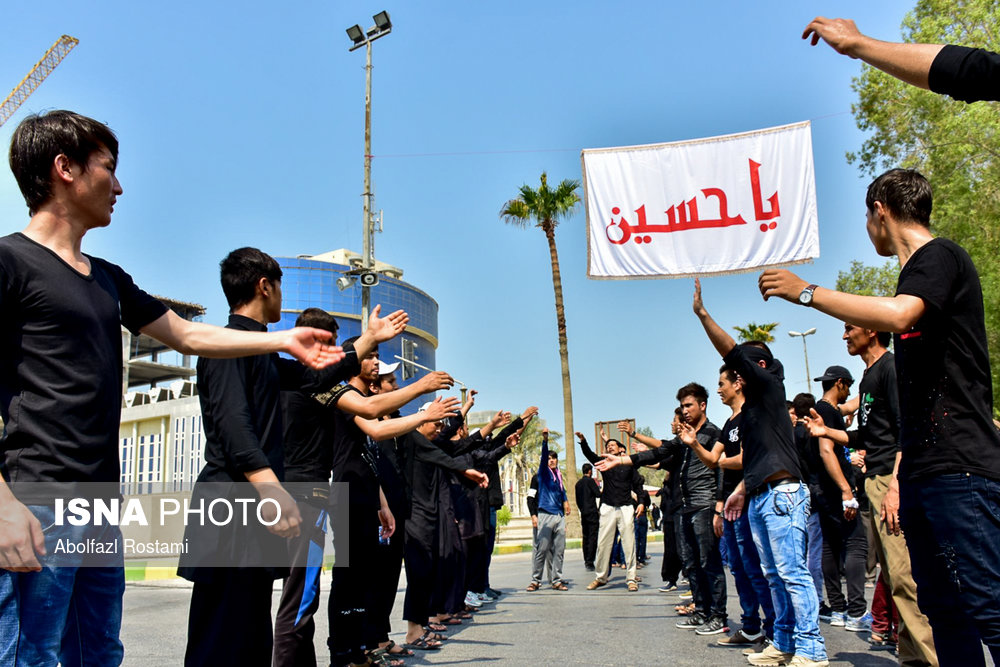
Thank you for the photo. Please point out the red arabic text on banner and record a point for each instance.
(730, 204)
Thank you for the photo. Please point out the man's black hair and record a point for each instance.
(694, 389)
(39, 138)
(678, 411)
(587, 468)
(318, 319)
(731, 375)
(884, 338)
(553, 455)
(905, 193)
(241, 270)
(828, 384)
(759, 344)
(802, 404)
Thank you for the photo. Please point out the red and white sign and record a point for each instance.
(720, 205)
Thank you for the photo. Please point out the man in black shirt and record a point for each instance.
(778, 500)
(964, 73)
(61, 313)
(699, 448)
(243, 443)
(617, 511)
(845, 545)
(877, 406)
(588, 494)
(949, 473)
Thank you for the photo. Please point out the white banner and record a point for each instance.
(728, 204)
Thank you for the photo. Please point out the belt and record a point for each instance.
(768, 486)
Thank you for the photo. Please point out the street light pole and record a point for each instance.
(807, 332)
(382, 27)
(368, 250)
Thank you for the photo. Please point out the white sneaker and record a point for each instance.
(472, 600)
(802, 661)
(484, 598)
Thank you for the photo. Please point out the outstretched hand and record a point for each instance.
(312, 347)
(479, 478)
(687, 434)
(814, 422)
(388, 327)
(781, 283)
(512, 440)
(529, 413)
(608, 462)
(435, 381)
(841, 34)
(441, 408)
(697, 305)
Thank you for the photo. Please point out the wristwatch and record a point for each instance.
(806, 295)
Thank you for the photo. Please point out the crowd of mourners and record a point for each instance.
(318, 437)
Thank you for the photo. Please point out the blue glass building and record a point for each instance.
(311, 282)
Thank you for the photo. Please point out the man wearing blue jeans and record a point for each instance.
(949, 468)
(61, 313)
(773, 494)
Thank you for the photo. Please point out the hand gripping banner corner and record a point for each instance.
(729, 204)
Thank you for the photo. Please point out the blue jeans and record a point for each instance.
(65, 613)
(815, 547)
(952, 527)
(751, 585)
(778, 521)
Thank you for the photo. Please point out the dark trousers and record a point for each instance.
(491, 541)
(641, 527)
(350, 586)
(703, 562)
(475, 571)
(386, 567)
(420, 568)
(845, 551)
(294, 627)
(230, 619)
(670, 569)
(952, 526)
(589, 524)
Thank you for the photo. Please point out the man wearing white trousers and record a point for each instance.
(617, 511)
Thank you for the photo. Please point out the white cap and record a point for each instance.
(425, 406)
(387, 369)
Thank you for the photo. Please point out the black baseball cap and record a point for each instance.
(835, 373)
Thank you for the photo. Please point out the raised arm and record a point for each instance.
(626, 427)
(392, 428)
(721, 340)
(310, 346)
(373, 407)
(587, 451)
(896, 314)
(908, 62)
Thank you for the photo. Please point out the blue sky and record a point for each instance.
(242, 124)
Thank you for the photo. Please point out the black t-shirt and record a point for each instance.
(733, 442)
(833, 419)
(308, 438)
(943, 369)
(768, 444)
(351, 462)
(61, 367)
(878, 416)
(966, 74)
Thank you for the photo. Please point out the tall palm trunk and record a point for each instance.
(550, 235)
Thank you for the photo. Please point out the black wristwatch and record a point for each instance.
(806, 295)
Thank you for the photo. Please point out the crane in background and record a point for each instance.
(42, 69)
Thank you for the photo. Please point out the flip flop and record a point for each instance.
(434, 636)
(407, 653)
(423, 643)
(436, 627)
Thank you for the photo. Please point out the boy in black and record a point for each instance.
(949, 473)
(845, 545)
(243, 443)
(61, 313)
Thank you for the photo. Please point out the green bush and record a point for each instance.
(503, 516)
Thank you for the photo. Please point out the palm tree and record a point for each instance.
(545, 207)
(758, 332)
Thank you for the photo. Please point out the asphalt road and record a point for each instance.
(609, 626)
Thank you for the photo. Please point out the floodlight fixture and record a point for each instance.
(382, 21)
(356, 34)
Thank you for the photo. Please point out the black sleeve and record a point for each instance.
(533, 496)
(637, 483)
(931, 276)
(425, 450)
(588, 452)
(508, 430)
(753, 375)
(137, 307)
(226, 402)
(296, 376)
(891, 392)
(966, 74)
(654, 455)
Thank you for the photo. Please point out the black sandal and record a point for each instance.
(423, 643)
(402, 652)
